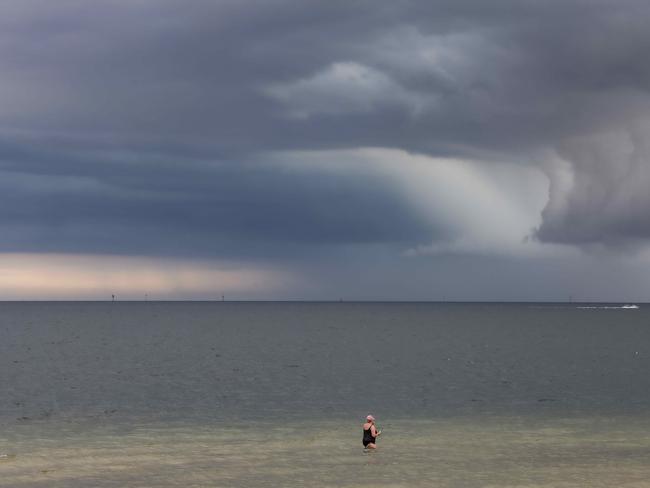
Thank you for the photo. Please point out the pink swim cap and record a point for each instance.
(369, 418)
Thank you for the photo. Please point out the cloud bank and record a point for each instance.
(280, 134)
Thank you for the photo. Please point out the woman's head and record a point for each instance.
(370, 418)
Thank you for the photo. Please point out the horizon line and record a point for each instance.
(298, 300)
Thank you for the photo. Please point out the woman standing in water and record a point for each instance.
(370, 433)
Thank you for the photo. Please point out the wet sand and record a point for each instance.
(454, 452)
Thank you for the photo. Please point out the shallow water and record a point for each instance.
(453, 452)
(272, 394)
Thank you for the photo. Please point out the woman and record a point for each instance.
(370, 433)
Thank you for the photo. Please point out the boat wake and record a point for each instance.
(615, 307)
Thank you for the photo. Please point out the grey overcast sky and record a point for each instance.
(409, 150)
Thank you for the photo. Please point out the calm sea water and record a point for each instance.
(273, 394)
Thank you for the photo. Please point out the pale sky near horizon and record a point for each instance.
(372, 150)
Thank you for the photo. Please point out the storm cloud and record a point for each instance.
(287, 132)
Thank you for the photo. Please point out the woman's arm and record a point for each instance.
(374, 431)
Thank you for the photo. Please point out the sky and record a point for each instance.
(309, 150)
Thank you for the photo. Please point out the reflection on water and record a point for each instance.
(458, 452)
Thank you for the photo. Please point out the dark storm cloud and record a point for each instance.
(146, 204)
(132, 126)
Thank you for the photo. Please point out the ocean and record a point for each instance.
(166, 394)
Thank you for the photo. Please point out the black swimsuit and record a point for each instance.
(368, 437)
